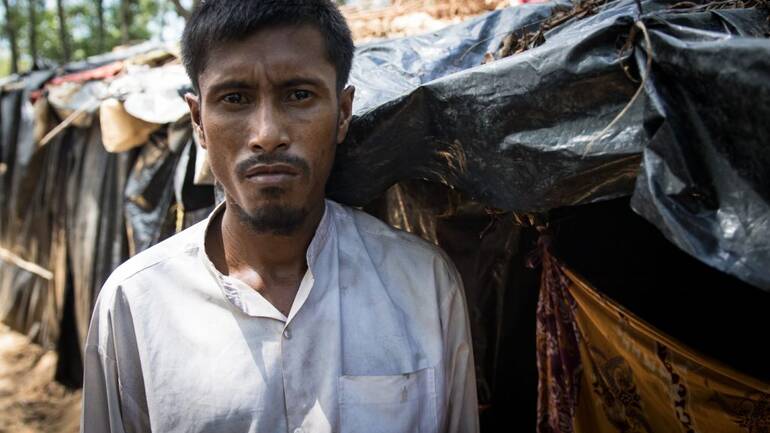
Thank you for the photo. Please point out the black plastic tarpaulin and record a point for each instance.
(705, 177)
(72, 212)
(29, 252)
(530, 132)
(96, 236)
(62, 229)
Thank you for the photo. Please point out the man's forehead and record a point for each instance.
(277, 53)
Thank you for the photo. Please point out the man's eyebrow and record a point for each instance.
(291, 82)
(229, 84)
(302, 81)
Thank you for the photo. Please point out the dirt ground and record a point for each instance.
(30, 401)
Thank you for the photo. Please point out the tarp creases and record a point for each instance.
(579, 119)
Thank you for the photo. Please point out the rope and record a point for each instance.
(640, 25)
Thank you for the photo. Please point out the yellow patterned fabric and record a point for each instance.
(603, 370)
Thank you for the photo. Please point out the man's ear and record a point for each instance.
(346, 112)
(193, 102)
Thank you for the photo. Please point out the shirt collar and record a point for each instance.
(248, 300)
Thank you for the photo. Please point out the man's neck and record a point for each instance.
(271, 264)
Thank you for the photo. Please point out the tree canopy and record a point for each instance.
(41, 33)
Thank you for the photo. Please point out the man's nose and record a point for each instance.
(268, 130)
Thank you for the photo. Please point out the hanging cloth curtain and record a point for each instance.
(603, 370)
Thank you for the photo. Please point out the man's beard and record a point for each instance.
(273, 219)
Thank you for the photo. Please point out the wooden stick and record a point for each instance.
(34, 268)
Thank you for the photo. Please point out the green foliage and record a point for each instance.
(82, 25)
(82, 28)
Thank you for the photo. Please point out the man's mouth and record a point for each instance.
(271, 173)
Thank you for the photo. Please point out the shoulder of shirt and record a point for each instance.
(174, 246)
(410, 246)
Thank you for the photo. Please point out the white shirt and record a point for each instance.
(377, 340)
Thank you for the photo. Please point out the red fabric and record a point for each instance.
(558, 352)
(100, 73)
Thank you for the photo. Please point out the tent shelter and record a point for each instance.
(615, 164)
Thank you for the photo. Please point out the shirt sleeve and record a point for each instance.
(101, 398)
(462, 415)
(107, 406)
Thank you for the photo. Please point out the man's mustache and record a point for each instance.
(270, 159)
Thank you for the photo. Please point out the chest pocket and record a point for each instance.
(404, 403)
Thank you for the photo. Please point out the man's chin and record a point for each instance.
(277, 219)
(272, 192)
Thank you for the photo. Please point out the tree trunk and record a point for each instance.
(125, 21)
(11, 32)
(32, 8)
(180, 10)
(100, 22)
(65, 44)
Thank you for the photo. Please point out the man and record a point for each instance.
(283, 311)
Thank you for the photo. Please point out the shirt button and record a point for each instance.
(287, 335)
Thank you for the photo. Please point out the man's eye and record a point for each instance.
(235, 98)
(299, 95)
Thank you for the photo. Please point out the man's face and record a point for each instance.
(270, 117)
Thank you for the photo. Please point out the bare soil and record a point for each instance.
(30, 400)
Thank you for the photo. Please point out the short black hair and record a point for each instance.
(216, 21)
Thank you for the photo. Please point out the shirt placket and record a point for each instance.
(292, 356)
